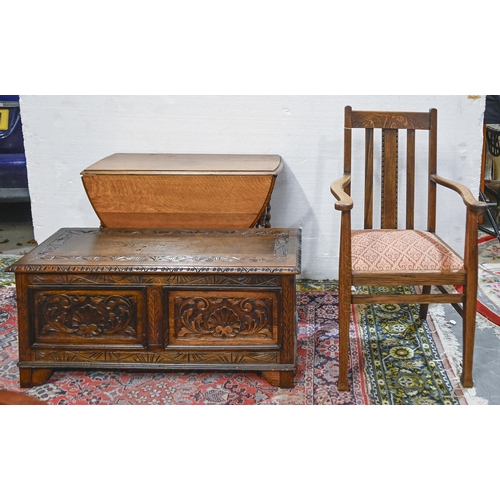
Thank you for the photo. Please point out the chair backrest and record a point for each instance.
(390, 123)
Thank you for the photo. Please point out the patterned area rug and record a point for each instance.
(395, 360)
(402, 359)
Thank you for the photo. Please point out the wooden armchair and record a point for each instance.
(391, 256)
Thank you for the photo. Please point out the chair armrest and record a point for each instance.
(337, 189)
(470, 201)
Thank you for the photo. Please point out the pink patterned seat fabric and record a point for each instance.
(404, 250)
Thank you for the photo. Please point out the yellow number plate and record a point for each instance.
(4, 119)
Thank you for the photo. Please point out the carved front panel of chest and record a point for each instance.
(222, 318)
(88, 317)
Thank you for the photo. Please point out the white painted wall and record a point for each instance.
(65, 134)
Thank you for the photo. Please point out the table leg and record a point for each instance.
(265, 218)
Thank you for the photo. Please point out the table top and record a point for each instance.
(186, 164)
(87, 250)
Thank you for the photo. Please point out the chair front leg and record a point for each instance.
(470, 298)
(469, 333)
(344, 323)
(345, 282)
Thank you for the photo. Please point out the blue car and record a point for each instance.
(13, 172)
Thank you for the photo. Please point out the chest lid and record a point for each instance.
(87, 250)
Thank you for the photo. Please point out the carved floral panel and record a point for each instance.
(87, 316)
(223, 318)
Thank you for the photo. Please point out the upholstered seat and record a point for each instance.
(401, 250)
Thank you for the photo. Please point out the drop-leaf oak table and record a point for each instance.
(182, 190)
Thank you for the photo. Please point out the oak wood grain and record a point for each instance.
(182, 191)
(178, 200)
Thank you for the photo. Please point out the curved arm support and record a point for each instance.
(478, 207)
(345, 202)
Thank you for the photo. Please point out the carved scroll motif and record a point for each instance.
(162, 279)
(86, 316)
(223, 318)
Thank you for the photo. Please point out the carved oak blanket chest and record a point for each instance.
(159, 299)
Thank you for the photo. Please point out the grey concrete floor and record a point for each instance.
(16, 229)
(486, 372)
